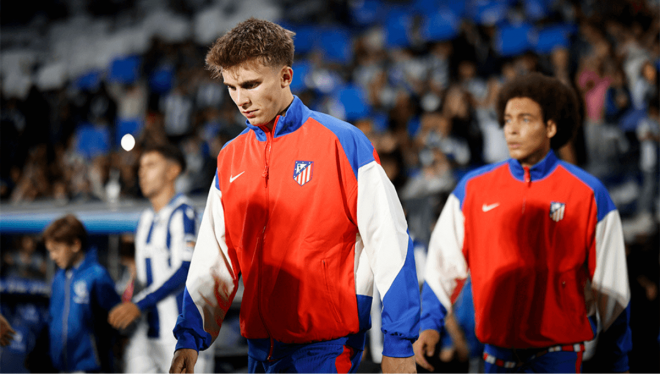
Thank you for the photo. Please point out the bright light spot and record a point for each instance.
(127, 142)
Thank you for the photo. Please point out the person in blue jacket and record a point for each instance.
(82, 294)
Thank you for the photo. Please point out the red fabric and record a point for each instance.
(528, 276)
(313, 273)
(578, 363)
(343, 362)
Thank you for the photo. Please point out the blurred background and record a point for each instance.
(85, 85)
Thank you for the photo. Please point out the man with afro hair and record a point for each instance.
(542, 242)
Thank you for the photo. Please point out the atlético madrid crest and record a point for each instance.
(557, 211)
(302, 172)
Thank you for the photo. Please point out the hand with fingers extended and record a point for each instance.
(425, 347)
(6, 332)
(123, 315)
(184, 361)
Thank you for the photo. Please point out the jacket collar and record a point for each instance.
(287, 123)
(539, 171)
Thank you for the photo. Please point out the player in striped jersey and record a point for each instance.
(164, 243)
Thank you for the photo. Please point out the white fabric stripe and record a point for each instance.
(610, 280)
(210, 264)
(364, 276)
(445, 262)
(308, 170)
(382, 225)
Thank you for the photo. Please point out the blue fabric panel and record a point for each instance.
(603, 200)
(364, 311)
(189, 328)
(357, 147)
(401, 310)
(550, 38)
(124, 70)
(398, 27)
(459, 191)
(617, 341)
(433, 312)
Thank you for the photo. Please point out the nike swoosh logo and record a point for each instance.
(232, 179)
(486, 208)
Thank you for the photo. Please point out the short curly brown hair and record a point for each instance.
(558, 103)
(269, 43)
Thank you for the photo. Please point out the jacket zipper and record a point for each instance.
(65, 316)
(269, 146)
(528, 182)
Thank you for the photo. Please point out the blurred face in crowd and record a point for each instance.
(260, 92)
(527, 136)
(63, 254)
(156, 173)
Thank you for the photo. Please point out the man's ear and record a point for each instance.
(551, 129)
(173, 171)
(286, 76)
(77, 246)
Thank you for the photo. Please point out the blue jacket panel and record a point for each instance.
(80, 337)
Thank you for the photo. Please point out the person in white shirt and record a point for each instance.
(164, 243)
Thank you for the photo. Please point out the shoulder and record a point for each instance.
(483, 171)
(341, 129)
(240, 138)
(600, 193)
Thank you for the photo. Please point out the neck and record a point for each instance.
(163, 197)
(287, 101)
(534, 158)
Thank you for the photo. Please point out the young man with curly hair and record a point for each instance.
(542, 242)
(301, 209)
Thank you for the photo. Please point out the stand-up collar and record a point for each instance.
(539, 171)
(295, 116)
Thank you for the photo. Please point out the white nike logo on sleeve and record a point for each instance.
(232, 179)
(486, 208)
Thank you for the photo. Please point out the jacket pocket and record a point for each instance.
(330, 290)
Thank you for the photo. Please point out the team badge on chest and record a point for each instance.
(302, 172)
(557, 211)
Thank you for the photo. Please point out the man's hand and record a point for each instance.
(6, 332)
(123, 315)
(184, 361)
(425, 346)
(398, 365)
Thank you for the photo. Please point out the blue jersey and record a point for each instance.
(80, 336)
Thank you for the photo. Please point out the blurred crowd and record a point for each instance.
(419, 77)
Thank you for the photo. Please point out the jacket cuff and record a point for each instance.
(145, 303)
(187, 341)
(397, 346)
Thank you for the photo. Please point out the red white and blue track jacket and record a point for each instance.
(545, 250)
(306, 214)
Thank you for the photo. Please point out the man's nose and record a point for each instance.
(241, 98)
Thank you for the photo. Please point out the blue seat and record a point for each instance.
(127, 126)
(398, 26)
(354, 101)
(124, 70)
(366, 12)
(162, 79)
(89, 81)
(536, 9)
(300, 71)
(488, 12)
(551, 37)
(335, 43)
(92, 141)
(441, 25)
(513, 40)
